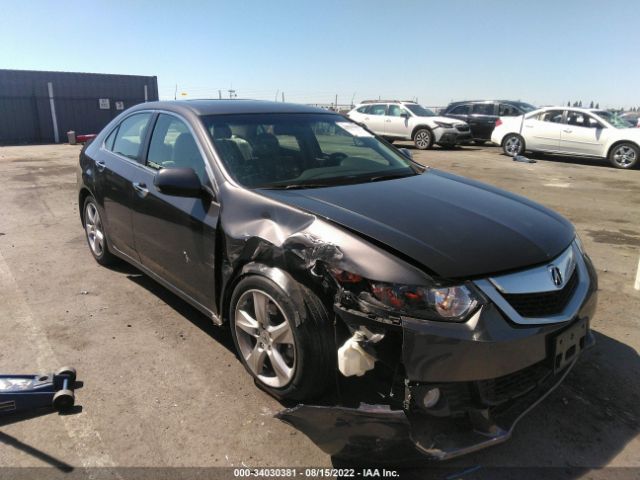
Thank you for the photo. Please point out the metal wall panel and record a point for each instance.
(25, 112)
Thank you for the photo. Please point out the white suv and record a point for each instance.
(396, 120)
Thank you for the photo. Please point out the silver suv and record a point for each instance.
(403, 120)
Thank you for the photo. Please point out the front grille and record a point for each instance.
(462, 128)
(499, 390)
(542, 304)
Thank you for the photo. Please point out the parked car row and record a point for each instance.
(404, 120)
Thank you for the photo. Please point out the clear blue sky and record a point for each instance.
(542, 51)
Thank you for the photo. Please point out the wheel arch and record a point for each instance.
(619, 142)
(420, 127)
(277, 275)
(82, 197)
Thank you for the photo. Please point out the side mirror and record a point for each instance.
(182, 182)
(406, 152)
(404, 115)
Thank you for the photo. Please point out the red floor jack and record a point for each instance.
(20, 393)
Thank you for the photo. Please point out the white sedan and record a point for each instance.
(570, 131)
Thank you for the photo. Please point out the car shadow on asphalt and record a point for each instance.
(594, 162)
(221, 334)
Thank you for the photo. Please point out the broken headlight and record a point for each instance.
(453, 303)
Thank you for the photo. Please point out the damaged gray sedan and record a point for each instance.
(409, 313)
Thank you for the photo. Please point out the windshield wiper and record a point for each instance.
(297, 186)
(380, 178)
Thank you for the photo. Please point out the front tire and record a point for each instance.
(95, 233)
(423, 139)
(624, 155)
(289, 361)
(513, 144)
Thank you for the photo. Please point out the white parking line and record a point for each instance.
(637, 284)
(88, 444)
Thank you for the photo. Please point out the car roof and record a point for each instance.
(225, 107)
(370, 102)
(517, 102)
(575, 109)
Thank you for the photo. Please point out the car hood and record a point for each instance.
(453, 121)
(451, 226)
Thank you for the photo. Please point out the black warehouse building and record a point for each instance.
(40, 107)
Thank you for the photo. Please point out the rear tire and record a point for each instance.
(95, 233)
(423, 139)
(289, 361)
(513, 144)
(624, 155)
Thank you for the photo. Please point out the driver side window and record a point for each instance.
(173, 146)
(395, 111)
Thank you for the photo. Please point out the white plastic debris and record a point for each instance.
(353, 360)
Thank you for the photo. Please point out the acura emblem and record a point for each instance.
(556, 275)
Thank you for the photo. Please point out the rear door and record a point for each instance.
(116, 165)
(542, 131)
(583, 134)
(482, 120)
(175, 236)
(397, 122)
(374, 118)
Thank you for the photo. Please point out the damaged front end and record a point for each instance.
(455, 377)
(427, 368)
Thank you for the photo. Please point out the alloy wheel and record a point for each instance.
(624, 156)
(265, 338)
(513, 146)
(423, 139)
(93, 228)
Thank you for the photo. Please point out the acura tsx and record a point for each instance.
(337, 261)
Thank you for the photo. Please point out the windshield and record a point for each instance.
(302, 151)
(419, 110)
(526, 107)
(614, 119)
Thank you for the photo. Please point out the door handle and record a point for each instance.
(568, 130)
(528, 126)
(100, 165)
(388, 121)
(141, 189)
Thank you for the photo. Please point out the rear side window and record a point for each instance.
(482, 109)
(377, 110)
(507, 110)
(108, 143)
(460, 110)
(553, 116)
(362, 109)
(130, 135)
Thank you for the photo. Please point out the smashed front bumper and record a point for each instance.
(379, 435)
(454, 137)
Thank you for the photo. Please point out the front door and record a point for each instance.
(582, 134)
(175, 236)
